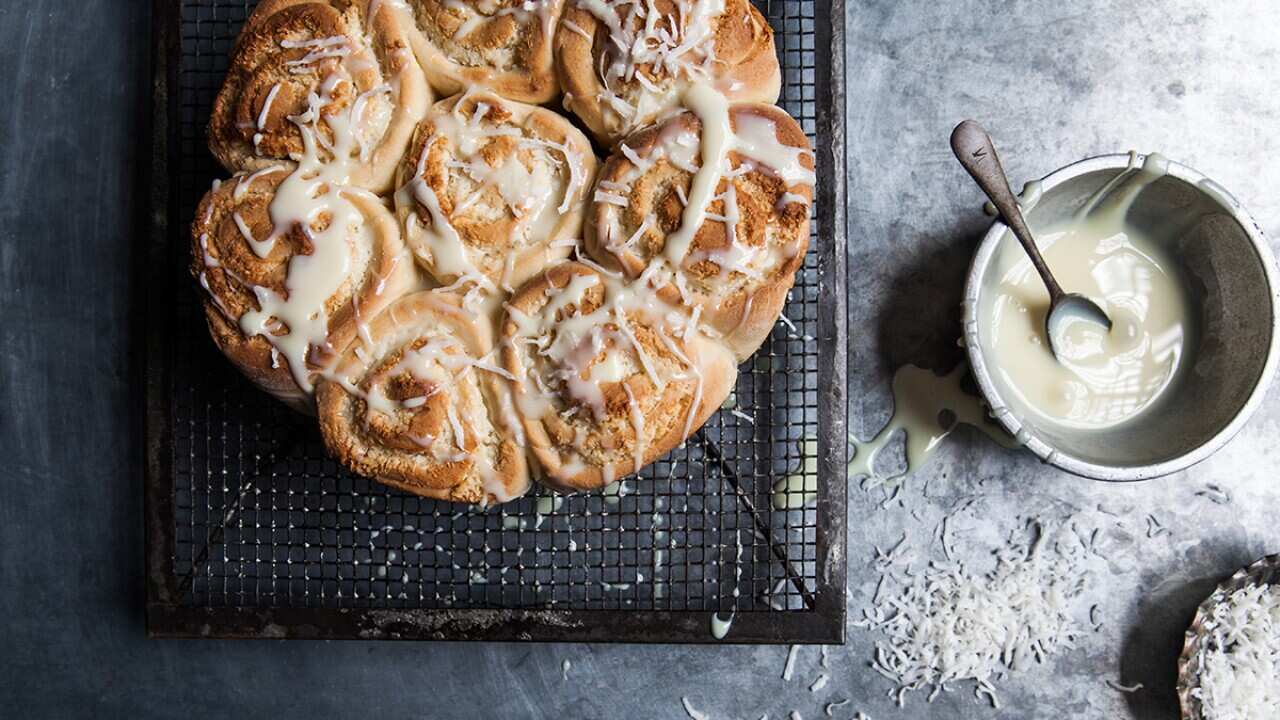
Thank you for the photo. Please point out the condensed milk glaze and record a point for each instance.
(1100, 378)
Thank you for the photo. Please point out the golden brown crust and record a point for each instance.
(617, 418)
(498, 44)
(745, 66)
(267, 84)
(510, 224)
(229, 270)
(770, 236)
(402, 393)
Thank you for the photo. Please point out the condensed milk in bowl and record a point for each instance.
(1190, 286)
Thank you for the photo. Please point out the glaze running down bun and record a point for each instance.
(606, 377)
(321, 73)
(624, 65)
(723, 234)
(492, 190)
(244, 242)
(415, 402)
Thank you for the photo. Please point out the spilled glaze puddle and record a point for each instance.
(926, 408)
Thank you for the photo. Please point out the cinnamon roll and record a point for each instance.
(413, 404)
(492, 190)
(291, 267)
(624, 64)
(503, 45)
(712, 206)
(333, 78)
(606, 376)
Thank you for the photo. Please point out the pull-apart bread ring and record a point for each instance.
(352, 194)
(332, 78)
(712, 206)
(503, 45)
(625, 64)
(492, 191)
(606, 377)
(418, 403)
(286, 283)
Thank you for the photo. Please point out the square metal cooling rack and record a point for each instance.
(252, 531)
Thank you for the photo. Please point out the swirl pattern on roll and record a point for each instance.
(492, 191)
(624, 64)
(284, 297)
(502, 45)
(416, 403)
(338, 74)
(606, 377)
(713, 207)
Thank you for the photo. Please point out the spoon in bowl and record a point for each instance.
(973, 148)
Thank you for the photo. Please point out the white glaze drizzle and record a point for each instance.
(476, 14)
(316, 192)
(445, 364)
(528, 192)
(261, 248)
(655, 56)
(589, 349)
(266, 106)
(754, 140)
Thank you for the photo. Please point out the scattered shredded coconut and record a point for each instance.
(1124, 688)
(1215, 494)
(791, 662)
(946, 622)
(692, 712)
(1154, 528)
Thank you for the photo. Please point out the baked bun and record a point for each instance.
(737, 232)
(414, 404)
(502, 45)
(492, 191)
(622, 68)
(284, 297)
(322, 73)
(606, 376)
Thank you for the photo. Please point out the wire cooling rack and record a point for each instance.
(254, 532)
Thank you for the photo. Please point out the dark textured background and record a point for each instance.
(1055, 82)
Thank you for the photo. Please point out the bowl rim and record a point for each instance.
(1062, 459)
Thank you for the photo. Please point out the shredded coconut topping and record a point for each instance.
(1240, 662)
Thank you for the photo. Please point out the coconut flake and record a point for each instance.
(946, 623)
(1241, 657)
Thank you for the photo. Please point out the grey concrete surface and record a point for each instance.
(1054, 81)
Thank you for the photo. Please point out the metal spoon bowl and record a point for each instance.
(975, 151)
